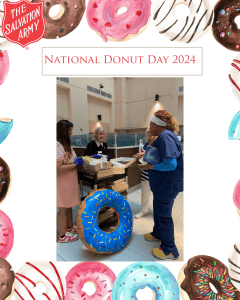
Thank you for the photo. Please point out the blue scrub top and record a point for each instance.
(167, 182)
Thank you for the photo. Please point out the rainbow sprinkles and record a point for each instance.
(205, 277)
(141, 274)
(225, 29)
(91, 235)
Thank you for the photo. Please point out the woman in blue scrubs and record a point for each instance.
(166, 181)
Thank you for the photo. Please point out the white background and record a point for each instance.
(212, 163)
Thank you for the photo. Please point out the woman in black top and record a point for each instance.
(97, 145)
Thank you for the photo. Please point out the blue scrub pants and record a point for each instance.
(163, 223)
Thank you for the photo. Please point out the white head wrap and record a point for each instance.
(157, 121)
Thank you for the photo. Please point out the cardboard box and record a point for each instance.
(124, 161)
(106, 215)
(106, 165)
(90, 165)
(116, 182)
(93, 165)
(90, 168)
(118, 188)
(104, 173)
(118, 170)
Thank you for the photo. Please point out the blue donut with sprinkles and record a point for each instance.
(91, 235)
(142, 274)
(234, 128)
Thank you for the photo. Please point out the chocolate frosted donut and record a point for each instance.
(7, 278)
(68, 18)
(224, 28)
(5, 179)
(205, 277)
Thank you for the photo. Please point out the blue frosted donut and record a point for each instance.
(234, 128)
(141, 274)
(91, 235)
(5, 128)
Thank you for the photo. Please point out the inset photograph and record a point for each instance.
(120, 169)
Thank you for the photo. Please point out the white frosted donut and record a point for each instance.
(234, 77)
(186, 29)
(4, 43)
(39, 272)
(234, 266)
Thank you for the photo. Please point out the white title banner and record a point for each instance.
(122, 61)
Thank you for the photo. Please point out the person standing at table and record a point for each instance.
(146, 191)
(166, 181)
(98, 144)
(67, 183)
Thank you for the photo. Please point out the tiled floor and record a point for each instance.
(137, 249)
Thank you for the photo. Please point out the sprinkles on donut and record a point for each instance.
(6, 234)
(197, 277)
(142, 274)
(224, 28)
(96, 272)
(92, 236)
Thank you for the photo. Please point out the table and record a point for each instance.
(94, 181)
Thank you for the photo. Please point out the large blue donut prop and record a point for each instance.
(141, 274)
(91, 235)
(234, 128)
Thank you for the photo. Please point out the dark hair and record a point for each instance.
(167, 117)
(63, 135)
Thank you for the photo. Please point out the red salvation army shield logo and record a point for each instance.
(23, 22)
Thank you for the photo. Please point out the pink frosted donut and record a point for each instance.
(236, 196)
(4, 65)
(103, 17)
(97, 273)
(6, 235)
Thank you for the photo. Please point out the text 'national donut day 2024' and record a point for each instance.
(23, 22)
(111, 61)
(108, 59)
